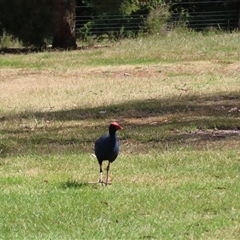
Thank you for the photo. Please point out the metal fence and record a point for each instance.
(119, 25)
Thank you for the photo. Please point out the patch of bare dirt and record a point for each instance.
(214, 133)
(166, 69)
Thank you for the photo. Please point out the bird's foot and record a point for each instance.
(107, 183)
(104, 183)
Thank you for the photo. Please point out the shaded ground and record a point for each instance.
(152, 124)
(186, 116)
(49, 49)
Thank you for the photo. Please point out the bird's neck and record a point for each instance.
(112, 134)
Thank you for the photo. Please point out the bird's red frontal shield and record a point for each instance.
(118, 127)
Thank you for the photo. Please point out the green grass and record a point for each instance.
(159, 195)
(153, 49)
(177, 175)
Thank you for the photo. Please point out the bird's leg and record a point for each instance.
(108, 167)
(100, 178)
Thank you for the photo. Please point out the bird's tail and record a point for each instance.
(93, 155)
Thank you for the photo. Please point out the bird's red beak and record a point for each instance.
(118, 127)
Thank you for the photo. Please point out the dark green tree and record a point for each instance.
(27, 20)
(34, 21)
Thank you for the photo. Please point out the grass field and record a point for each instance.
(177, 175)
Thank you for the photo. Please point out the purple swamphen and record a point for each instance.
(107, 148)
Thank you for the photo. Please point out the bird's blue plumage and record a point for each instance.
(107, 147)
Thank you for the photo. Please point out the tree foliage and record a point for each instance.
(34, 21)
(157, 15)
(28, 20)
(124, 7)
(199, 14)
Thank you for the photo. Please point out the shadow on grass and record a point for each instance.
(216, 105)
(171, 120)
(74, 184)
(23, 50)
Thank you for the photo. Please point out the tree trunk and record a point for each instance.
(64, 23)
(239, 15)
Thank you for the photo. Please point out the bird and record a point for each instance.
(107, 148)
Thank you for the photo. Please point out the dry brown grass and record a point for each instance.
(59, 98)
(178, 97)
(53, 90)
